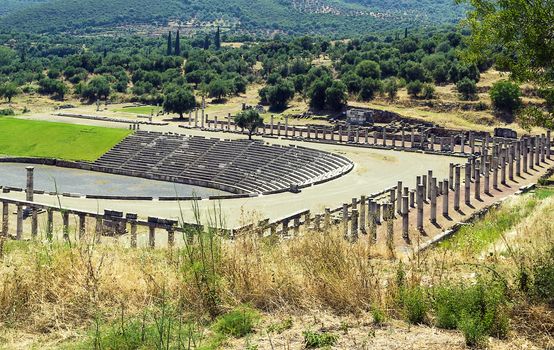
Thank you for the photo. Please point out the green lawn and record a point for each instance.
(144, 110)
(31, 138)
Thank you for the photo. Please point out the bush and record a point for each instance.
(428, 91)
(7, 111)
(415, 304)
(378, 316)
(478, 310)
(237, 323)
(543, 274)
(467, 88)
(314, 340)
(505, 96)
(414, 88)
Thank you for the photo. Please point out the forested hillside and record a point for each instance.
(328, 17)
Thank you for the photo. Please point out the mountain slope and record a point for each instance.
(289, 16)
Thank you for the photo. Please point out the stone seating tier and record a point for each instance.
(239, 166)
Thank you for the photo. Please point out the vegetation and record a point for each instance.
(168, 297)
(243, 17)
(506, 96)
(249, 120)
(28, 138)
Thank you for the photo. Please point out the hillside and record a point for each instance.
(333, 17)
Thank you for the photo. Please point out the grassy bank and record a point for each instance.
(29, 138)
(253, 293)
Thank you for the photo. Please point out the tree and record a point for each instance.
(414, 88)
(335, 95)
(249, 120)
(98, 88)
(505, 96)
(179, 100)
(369, 88)
(178, 44)
(518, 34)
(390, 87)
(280, 94)
(428, 91)
(217, 39)
(218, 89)
(54, 87)
(467, 88)
(368, 69)
(169, 44)
(9, 91)
(317, 92)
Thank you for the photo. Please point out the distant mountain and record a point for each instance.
(333, 17)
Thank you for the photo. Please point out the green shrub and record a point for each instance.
(543, 274)
(315, 340)
(237, 323)
(506, 96)
(379, 316)
(415, 304)
(7, 111)
(280, 327)
(473, 330)
(478, 310)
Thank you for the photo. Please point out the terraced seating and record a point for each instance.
(238, 166)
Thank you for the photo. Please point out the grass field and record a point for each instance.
(56, 140)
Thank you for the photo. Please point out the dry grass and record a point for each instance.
(56, 291)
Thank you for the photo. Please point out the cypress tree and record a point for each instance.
(405, 33)
(217, 40)
(177, 45)
(206, 42)
(169, 44)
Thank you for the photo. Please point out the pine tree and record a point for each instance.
(217, 40)
(177, 45)
(169, 44)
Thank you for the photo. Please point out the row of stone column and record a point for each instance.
(504, 165)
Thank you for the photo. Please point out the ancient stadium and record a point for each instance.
(397, 179)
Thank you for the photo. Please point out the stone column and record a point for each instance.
(399, 198)
(82, 225)
(420, 207)
(375, 134)
(98, 229)
(429, 179)
(445, 190)
(425, 183)
(19, 227)
(202, 120)
(366, 136)
(296, 225)
(152, 236)
(543, 146)
(340, 134)
(170, 236)
(525, 153)
(345, 219)
(412, 139)
(548, 144)
(518, 159)
(327, 219)
(503, 169)
(229, 123)
(451, 175)
(457, 188)
(495, 173)
(271, 125)
(392, 199)
(432, 145)
(378, 213)
(463, 143)
(471, 143)
(434, 195)
(278, 129)
(486, 167)
(354, 229)
(510, 166)
(5, 218)
(405, 222)
(196, 118)
(34, 222)
(286, 126)
(30, 183)
(412, 199)
(537, 151)
(478, 181)
(373, 221)
(467, 184)
(190, 119)
(363, 203)
(65, 220)
(384, 136)
(403, 138)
